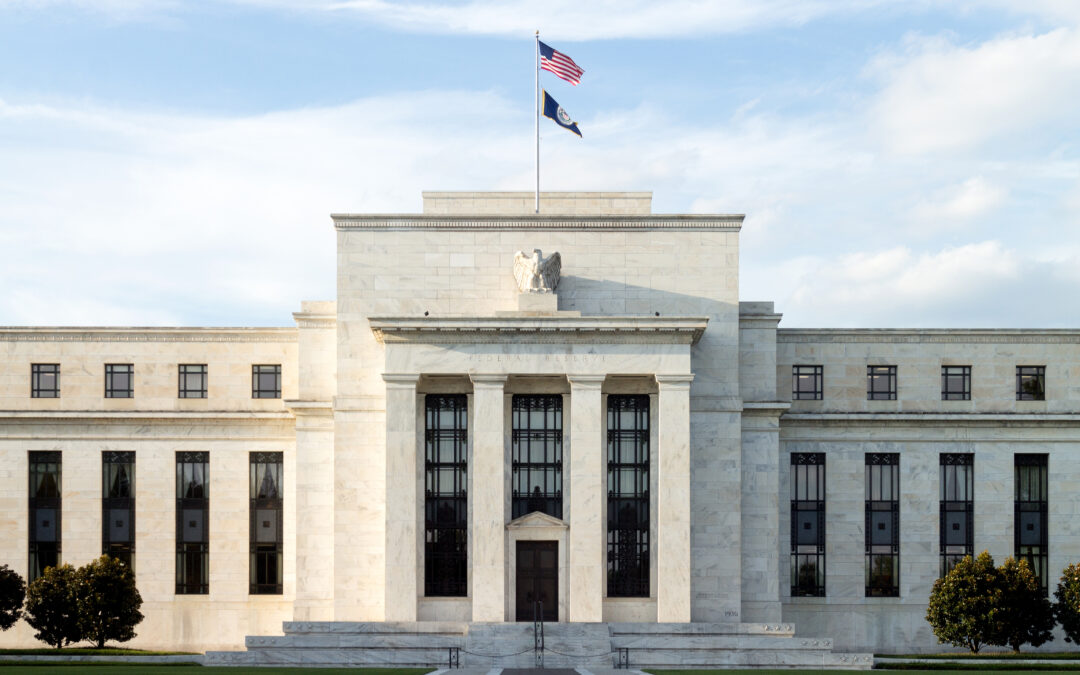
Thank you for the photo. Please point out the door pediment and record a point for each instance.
(535, 520)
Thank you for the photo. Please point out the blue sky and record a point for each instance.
(900, 162)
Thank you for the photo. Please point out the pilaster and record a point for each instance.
(401, 497)
(488, 527)
(673, 499)
(586, 541)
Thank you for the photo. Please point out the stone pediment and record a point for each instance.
(536, 519)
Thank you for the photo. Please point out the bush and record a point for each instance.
(964, 604)
(12, 593)
(51, 606)
(1024, 615)
(1067, 605)
(107, 601)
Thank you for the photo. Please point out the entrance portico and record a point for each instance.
(582, 358)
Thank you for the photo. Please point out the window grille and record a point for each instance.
(45, 380)
(808, 524)
(119, 380)
(882, 524)
(957, 512)
(537, 444)
(265, 515)
(956, 383)
(1030, 514)
(446, 514)
(1031, 383)
(881, 383)
(628, 496)
(118, 506)
(45, 511)
(192, 380)
(192, 523)
(266, 381)
(806, 383)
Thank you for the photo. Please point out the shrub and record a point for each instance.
(51, 606)
(1067, 605)
(107, 601)
(964, 603)
(1024, 615)
(12, 594)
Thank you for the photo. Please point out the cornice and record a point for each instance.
(145, 334)
(933, 419)
(537, 329)
(678, 222)
(147, 415)
(929, 335)
(311, 320)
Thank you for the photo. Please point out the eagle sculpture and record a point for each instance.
(535, 273)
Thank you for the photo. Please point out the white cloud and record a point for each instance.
(958, 204)
(944, 97)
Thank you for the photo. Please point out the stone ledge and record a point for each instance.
(540, 329)
(545, 222)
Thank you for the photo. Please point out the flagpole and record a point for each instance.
(536, 91)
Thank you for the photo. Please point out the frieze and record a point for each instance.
(939, 335)
(262, 335)
(389, 222)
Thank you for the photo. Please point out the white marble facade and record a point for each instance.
(428, 304)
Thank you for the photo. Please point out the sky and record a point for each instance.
(901, 163)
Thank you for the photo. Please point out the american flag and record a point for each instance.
(560, 64)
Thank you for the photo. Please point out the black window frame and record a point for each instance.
(192, 554)
(816, 375)
(114, 370)
(956, 495)
(882, 506)
(628, 506)
(1032, 496)
(37, 372)
(446, 515)
(950, 394)
(1034, 376)
(118, 504)
(808, 508)
(187, 371)
(257, 371)
(549, 438)
(874, 377)
(266, 566)
(45, 499)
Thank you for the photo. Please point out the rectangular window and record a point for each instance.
(536, 439)
(1031, 383)
(45, 380)
(44, 491)
(265, 523)
(956, 525)
(192, 523)
(806, 383)
(446, 513)
(881, 383)
(266, 382)
(956, 383)
(118, 506)
(883, 524)
(808, 524)
(119, 380)
(192, 380)
(1030, 515)
(628, 496)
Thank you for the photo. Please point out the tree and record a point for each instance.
(1067, 605)
(51, 607)
(1025, 615)
(12, 594)
(108, 601)
(964, 603)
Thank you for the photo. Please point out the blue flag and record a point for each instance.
(553, 110)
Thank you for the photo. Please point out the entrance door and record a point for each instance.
(537, 579)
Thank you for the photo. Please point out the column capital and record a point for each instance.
(674, 380)
(585, 381)
(487, 380)
(401, 379)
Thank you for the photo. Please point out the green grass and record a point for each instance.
(88, 651)
(932, 670)
(938, 668)
(1005, 656)
(188, 669)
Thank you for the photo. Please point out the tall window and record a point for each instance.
(119, 380)
(1030, 516)
(192, 380)
(806, 382)
(883, 524)
(44, 512)
(628, 496)
(446, 514)
(192, 522)
(536, 440)
(808, 524)
(881, 383)
(1031, 383)
(45, 380)
(118, 506)
(956, 383)
(266, 382)
(265, 522)
(956, 526)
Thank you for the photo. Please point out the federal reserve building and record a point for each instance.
(509, 419)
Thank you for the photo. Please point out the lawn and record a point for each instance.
(41, 668)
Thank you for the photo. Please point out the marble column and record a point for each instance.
(673, 499)
(402, 559)
(488, 526)
(585, 547)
